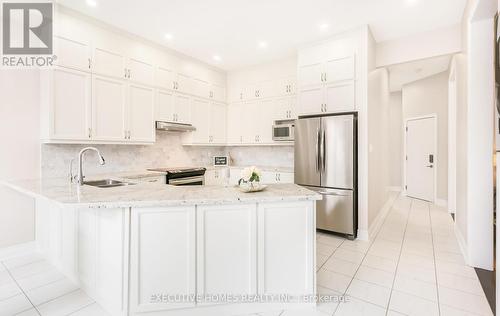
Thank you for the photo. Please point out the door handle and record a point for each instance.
(322, 152)
(430, 166)
(317, 149)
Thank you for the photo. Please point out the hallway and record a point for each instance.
(413, 267)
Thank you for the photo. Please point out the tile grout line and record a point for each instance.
(329, 256)
(364, 256)
(434, 255)
(399, 258)
(83, 307)
(22, 291)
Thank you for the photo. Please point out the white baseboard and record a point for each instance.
(363, 234)
(462, 244)
(382, 214)
(442, 203)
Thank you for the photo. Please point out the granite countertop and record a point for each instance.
(262, 168)
(144, 194)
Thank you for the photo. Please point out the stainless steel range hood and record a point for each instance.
(174, 127)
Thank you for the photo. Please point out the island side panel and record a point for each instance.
(103, 256)
(287, 248)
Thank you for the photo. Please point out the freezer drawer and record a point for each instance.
(335, 212)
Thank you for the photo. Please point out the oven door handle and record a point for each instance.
(187, 180)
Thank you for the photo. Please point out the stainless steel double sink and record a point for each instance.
(107, 183)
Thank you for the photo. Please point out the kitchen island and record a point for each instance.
(155, 249)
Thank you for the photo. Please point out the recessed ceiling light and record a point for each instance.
(263, 44)
(92, 3)
(324, 26)
(168, 36)
(216, 58)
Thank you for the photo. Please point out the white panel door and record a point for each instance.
(227, 249)
(70, 104)
(72, 53)
(421, 158)
(164, 106)
(164, 78)
(109, 63)
(340, 97)
(286, 248)
(182, 108)
(340, 69)
(200, 119)
(234, 123)
(218, 113)
(141, 72)
(311, 100)
(141, 113)
(108, 109)
(310, 75)
(162, 257)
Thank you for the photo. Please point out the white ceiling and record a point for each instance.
(401, 74)
(233, 29)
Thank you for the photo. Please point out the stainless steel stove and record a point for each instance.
(183, 176)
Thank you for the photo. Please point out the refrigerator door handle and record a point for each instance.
(318, 160)
(323, 151)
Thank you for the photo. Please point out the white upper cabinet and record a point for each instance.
(108, 109)
(109, 63)
(310, 75)
(201, 88)
(165, 106)
(68, 103)
(340, 69)
(217, 92)
(200, 110)
(73, 54)
(235, 123)
(164, 78)
(140, 72)
(264, 120)
(327, 77)
(285, 87)
(140, 114)
(184, 83)
(182, 108)
(284, 109)
(218, 118)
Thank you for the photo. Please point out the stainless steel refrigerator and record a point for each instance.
(326, 162)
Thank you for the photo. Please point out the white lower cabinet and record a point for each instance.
(286, 248)
(162, 258)
(227, 249)
(274, 177)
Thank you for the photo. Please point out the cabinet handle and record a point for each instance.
(90, 63)
(90, 133)
(125, 73)
(173, 85)
(241, 96)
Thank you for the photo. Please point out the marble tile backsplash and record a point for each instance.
(168, 151)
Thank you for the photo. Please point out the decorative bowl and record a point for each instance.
(248, 187)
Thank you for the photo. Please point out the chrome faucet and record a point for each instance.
(80, 176)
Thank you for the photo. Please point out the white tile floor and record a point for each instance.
(412, 267)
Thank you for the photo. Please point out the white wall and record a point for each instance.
(425, 97)
(378, 138)
(20, 153)
(396, 140)
(424, 45)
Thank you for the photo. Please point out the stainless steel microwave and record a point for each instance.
(283, 131)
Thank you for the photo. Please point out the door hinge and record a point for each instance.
(407, 128)
(406, 187)
(406, 157)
